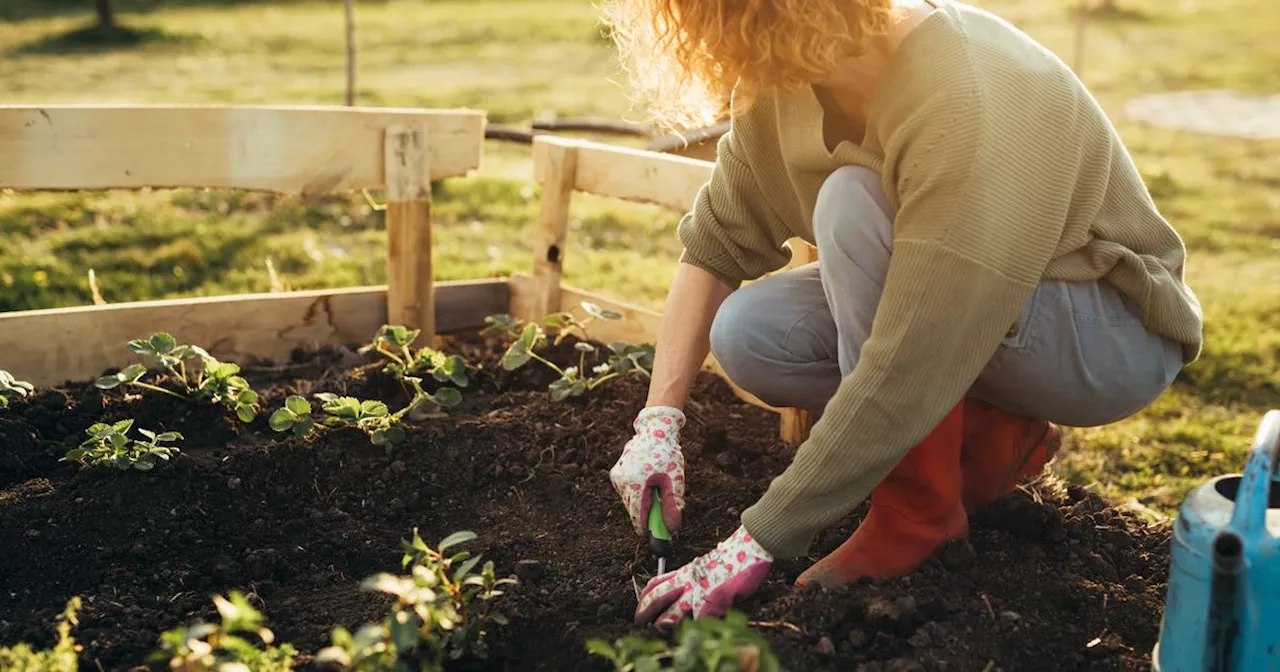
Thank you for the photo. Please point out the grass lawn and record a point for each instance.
(519, 58)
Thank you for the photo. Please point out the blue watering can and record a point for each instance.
(1222, 608)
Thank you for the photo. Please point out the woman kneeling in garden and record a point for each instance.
(990, 262)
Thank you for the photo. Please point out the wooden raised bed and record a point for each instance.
(309, 151)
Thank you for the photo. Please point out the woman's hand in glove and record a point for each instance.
(707, 586)
(652, 459)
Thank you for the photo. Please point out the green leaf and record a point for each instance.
(390, 436)
(245, 412)
(584, 347)
(75, 454)
(560, 389)
(305, 426)
(283, 419)
(447, 396)
(147, 433)
(384, 583)
(600, 313)
(600, 647)
(465, 569)
(298, 405)
(516, 356)
(404, 630)
(373, 408)
(123, 426)
(162, 343)
(132, 373)
(558, 320)
(108, 382)
(169, 436)
(343, 407)
(325, 396)
(529, 336)
(455, 539)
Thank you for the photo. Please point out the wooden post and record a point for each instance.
(410, 289)
(559, 170)
(796, 423)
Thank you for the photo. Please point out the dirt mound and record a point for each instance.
(1054, 579)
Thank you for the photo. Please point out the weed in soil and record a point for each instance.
(1052, 579)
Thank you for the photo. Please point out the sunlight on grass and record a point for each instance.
(518, 59)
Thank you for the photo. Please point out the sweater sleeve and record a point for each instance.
(733, 232)
(983, 188)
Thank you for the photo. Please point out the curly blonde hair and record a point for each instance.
(688, 56)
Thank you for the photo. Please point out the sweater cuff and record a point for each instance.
(717, 270)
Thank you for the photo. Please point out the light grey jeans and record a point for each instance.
(1078, 355)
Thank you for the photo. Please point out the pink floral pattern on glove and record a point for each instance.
(707, 586)
(652, 459)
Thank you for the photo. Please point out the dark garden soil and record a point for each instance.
(1055, 580)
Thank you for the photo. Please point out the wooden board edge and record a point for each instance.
(53, 346)
(634, 175)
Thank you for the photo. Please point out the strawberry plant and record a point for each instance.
(110, 446)
(225, 646)
(702, 645)
(12, 387)
(576, 380)
(442, 610)
(369, 416)
(63, 657)
(393, 342)
(200, 376)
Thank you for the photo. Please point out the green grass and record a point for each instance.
(517, 59)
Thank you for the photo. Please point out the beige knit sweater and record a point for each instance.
(1002, 171)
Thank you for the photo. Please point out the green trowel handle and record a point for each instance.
(659, 537)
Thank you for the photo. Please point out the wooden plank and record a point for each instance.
(557, 164)
(51, 346)
(409, 276)
(287, 149)
(633, 175)
(639, 324)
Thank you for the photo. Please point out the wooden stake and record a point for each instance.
(410, 291)
(559, 170)
(795, 425)
(351, 52)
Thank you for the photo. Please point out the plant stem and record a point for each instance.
(544, 361)
(159, 389)
(591, 385)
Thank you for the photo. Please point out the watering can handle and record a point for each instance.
(1250, 515)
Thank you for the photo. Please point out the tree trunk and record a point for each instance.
(106, 18)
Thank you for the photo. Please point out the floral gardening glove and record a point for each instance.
(708, 585)
(652, 459)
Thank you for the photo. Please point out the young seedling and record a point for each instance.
(110, 446)
(225, 647)
(442, 612)
(393, 341)
(205, 379)
(369, 416)
(574, 381)
(11, 387)
(702, 645)
(63, 657)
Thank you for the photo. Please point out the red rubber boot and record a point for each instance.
(914, 510)
(1001, 450)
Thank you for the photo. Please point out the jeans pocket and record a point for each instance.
(1021, 331)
